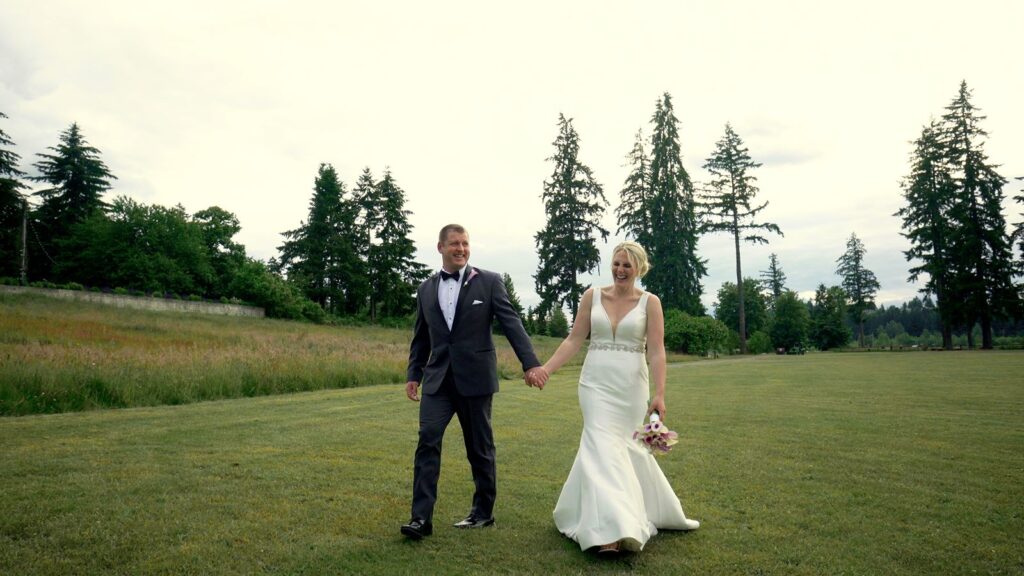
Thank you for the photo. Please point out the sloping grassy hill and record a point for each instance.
(59, 356)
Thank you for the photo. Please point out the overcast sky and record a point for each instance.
(236, 104)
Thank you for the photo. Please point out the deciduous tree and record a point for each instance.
(218, 228)
(727, 308)
(789, 326)
(827, 328)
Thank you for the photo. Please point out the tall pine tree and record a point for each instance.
(320, 256)
(574, 203)
(393, 273)
(78, 178)
(860, 284)
(634, 211)
(982, 253)
(1019, 235)
(676, 270)
(1019, 232)
(12, 207)
(928, 191)
(727, 204)
(513, 299)
(774, 280)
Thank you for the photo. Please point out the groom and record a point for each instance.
(452, 355)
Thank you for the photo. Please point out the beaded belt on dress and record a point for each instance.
(639, 348)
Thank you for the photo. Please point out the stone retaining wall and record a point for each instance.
(141, 302)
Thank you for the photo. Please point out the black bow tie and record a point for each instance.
(452, 276)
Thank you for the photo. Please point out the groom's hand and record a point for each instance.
(412, 390)
(537, 376)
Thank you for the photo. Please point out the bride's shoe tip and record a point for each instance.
(689, 524)
(609, 549)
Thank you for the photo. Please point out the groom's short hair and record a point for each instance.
(450, 228)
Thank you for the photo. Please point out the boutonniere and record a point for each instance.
(472, 274)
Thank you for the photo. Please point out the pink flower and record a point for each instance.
(656, 437)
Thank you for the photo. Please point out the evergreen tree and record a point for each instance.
(12, 207)
(774, 280)
(982, 251)
(728, 209)
(1019, 232)
(827, 318)
(675, 268)
(513, 299)
(393, 273)
(727, 308)
(346, 269)
(368, 218)
(77, 179)
(859, 283)
(928, 191)
(319, 256)
(1019, 235)
(537, 322)
(573, 203)
(634, 212)
(558, 324)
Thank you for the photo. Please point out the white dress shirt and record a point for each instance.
(448, 295)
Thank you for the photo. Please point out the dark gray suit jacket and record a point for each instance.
(468, 348)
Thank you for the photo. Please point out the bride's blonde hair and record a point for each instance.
(637, 257)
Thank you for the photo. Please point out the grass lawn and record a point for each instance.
(820, 464)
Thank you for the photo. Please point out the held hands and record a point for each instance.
(537, 377)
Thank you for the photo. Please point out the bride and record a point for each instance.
(616, 497)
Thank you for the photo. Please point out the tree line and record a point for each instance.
(952, 218)
(353, 257)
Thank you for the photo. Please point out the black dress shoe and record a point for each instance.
(472, 521)
(417, 529)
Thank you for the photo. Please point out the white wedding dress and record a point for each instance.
(616, 492)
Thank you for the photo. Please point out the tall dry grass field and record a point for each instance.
(58, 356)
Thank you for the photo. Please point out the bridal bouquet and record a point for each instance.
(655, 436)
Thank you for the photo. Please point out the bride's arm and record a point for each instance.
(656, 353)
(572, 343)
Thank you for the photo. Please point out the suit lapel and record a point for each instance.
(468, 283)
(433, 305)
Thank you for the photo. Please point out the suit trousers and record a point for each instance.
(436, 411)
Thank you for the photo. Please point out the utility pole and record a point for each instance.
(24, 242)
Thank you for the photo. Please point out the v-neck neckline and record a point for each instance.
(615, 326)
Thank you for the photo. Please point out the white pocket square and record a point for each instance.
(475, 302)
